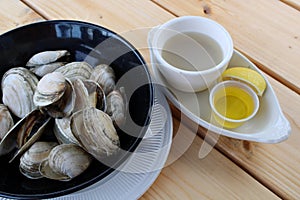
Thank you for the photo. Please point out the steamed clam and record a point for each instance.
(96, 94)
(62, 131)
(46, 57)
(6, 121)
(54, 94)
(31, 159)
(104, 75)
(49, 89)
(18, 86)
(96, 132)
(88, 94)
(116, 107)
(76, 70)
(47, 68)
(65, 162)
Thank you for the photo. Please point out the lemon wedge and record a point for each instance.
(249, 76)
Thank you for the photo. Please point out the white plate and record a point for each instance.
(133, 178)
(268, 126)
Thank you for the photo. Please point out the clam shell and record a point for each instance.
(24, 133)
(18, 86)
(96, 94)
(95, 131)
(32, 158)
(65, 162)
(6, 121)
(82, 96)
(88, 94)
(46, 57)
(104, 75)
(63, 133)
(47, 68)
(76, 70)
(65, 105)
(116, 107)
(30, 136)
(49, 89)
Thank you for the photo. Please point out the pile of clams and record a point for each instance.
(81, 100)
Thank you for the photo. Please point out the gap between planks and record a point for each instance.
(293, 3)
(32, 7)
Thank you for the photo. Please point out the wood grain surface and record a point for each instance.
(14, 13)
(213, 177)
(131, 19)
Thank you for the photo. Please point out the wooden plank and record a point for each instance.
(14, 13)
(130, 19)
(277, 166)
(187, 173)
(106, 13)
(214, 177)
(266, 31)
(293, 3)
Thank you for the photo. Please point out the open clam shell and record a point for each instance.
(24, 133)
(82, 96)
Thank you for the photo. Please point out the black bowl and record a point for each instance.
(95, 45)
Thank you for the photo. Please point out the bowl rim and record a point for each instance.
(143, 130)
(167, 66)
(240, 85)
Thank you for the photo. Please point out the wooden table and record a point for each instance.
(267, 32)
